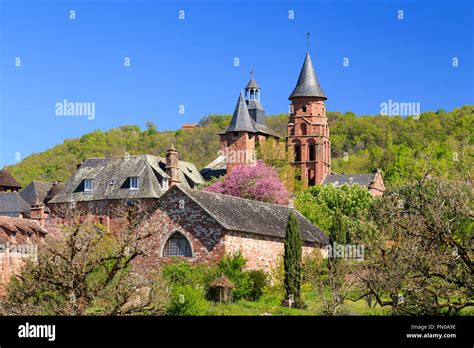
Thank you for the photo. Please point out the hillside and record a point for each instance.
(401, 147)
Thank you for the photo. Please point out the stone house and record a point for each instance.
(19, 239)
(203, 227)
(372, 182)
(37, 194)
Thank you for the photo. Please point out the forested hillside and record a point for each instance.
(401, 147)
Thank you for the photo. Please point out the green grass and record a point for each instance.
(269, 304)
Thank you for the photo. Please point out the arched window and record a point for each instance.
(312, 150)
(177, 245)
(297, 149)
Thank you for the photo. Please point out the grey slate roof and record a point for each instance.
(252, 84)
(7, 180)
(35, 192)
(215, 169)
(111, 178)
(340, 179)
(241, 120)
(12, 204)
(308, 84)
(244, 215)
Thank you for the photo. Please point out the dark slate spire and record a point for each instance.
(308, 84)
(252, 84)
(241, 120)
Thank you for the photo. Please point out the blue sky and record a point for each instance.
(190, 62)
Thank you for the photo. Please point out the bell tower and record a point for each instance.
(308, 129)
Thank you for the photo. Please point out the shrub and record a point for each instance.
(183, 273)
(187, 300)
(232, 266)
(259, 280)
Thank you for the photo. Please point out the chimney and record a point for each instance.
(172, 168)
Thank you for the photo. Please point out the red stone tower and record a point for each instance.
(308, 130)
(246, 129)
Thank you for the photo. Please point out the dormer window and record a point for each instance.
(134, 183)
(88, 184)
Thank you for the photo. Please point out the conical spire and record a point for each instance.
(308, 84)
(241, 120)
(252, 84)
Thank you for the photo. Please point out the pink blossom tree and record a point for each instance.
(258, 182)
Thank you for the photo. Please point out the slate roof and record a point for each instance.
(12, 204)
(242, 121)
(244, 215)
(252, 84)
(340, 179)
(308, 84)
(215, 169)
(7, 180)
(111, 178)
(35, 192)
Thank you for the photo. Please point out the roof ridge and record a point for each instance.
(235, 197)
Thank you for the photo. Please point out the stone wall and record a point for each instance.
(19, 240)
(261, 252)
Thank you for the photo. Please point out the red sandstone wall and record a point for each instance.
(261, 252)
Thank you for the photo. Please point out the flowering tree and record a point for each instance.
(258, 182)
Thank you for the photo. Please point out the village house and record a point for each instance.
(19, 240)
(37, 194)
(11, 202)
(190, 223)
(204, 226)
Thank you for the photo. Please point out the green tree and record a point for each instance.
(293, 263)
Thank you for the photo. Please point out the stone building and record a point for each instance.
(247, 128)
(309, 141)
(38, 194)
(11, 203)
(8, 183)
(19, 240)
(372, 181)
(308, 129)
(203, 226)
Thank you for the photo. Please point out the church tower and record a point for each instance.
(308, 130)
(238, 141)
(252, 98)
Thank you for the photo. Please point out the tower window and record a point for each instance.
(312, 152)
(304, 108)
(297, 153)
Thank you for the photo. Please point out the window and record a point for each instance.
(312, 151)
(177, 245)
(297, 153)
(134, 183)
(88, 184)
(304, 108)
